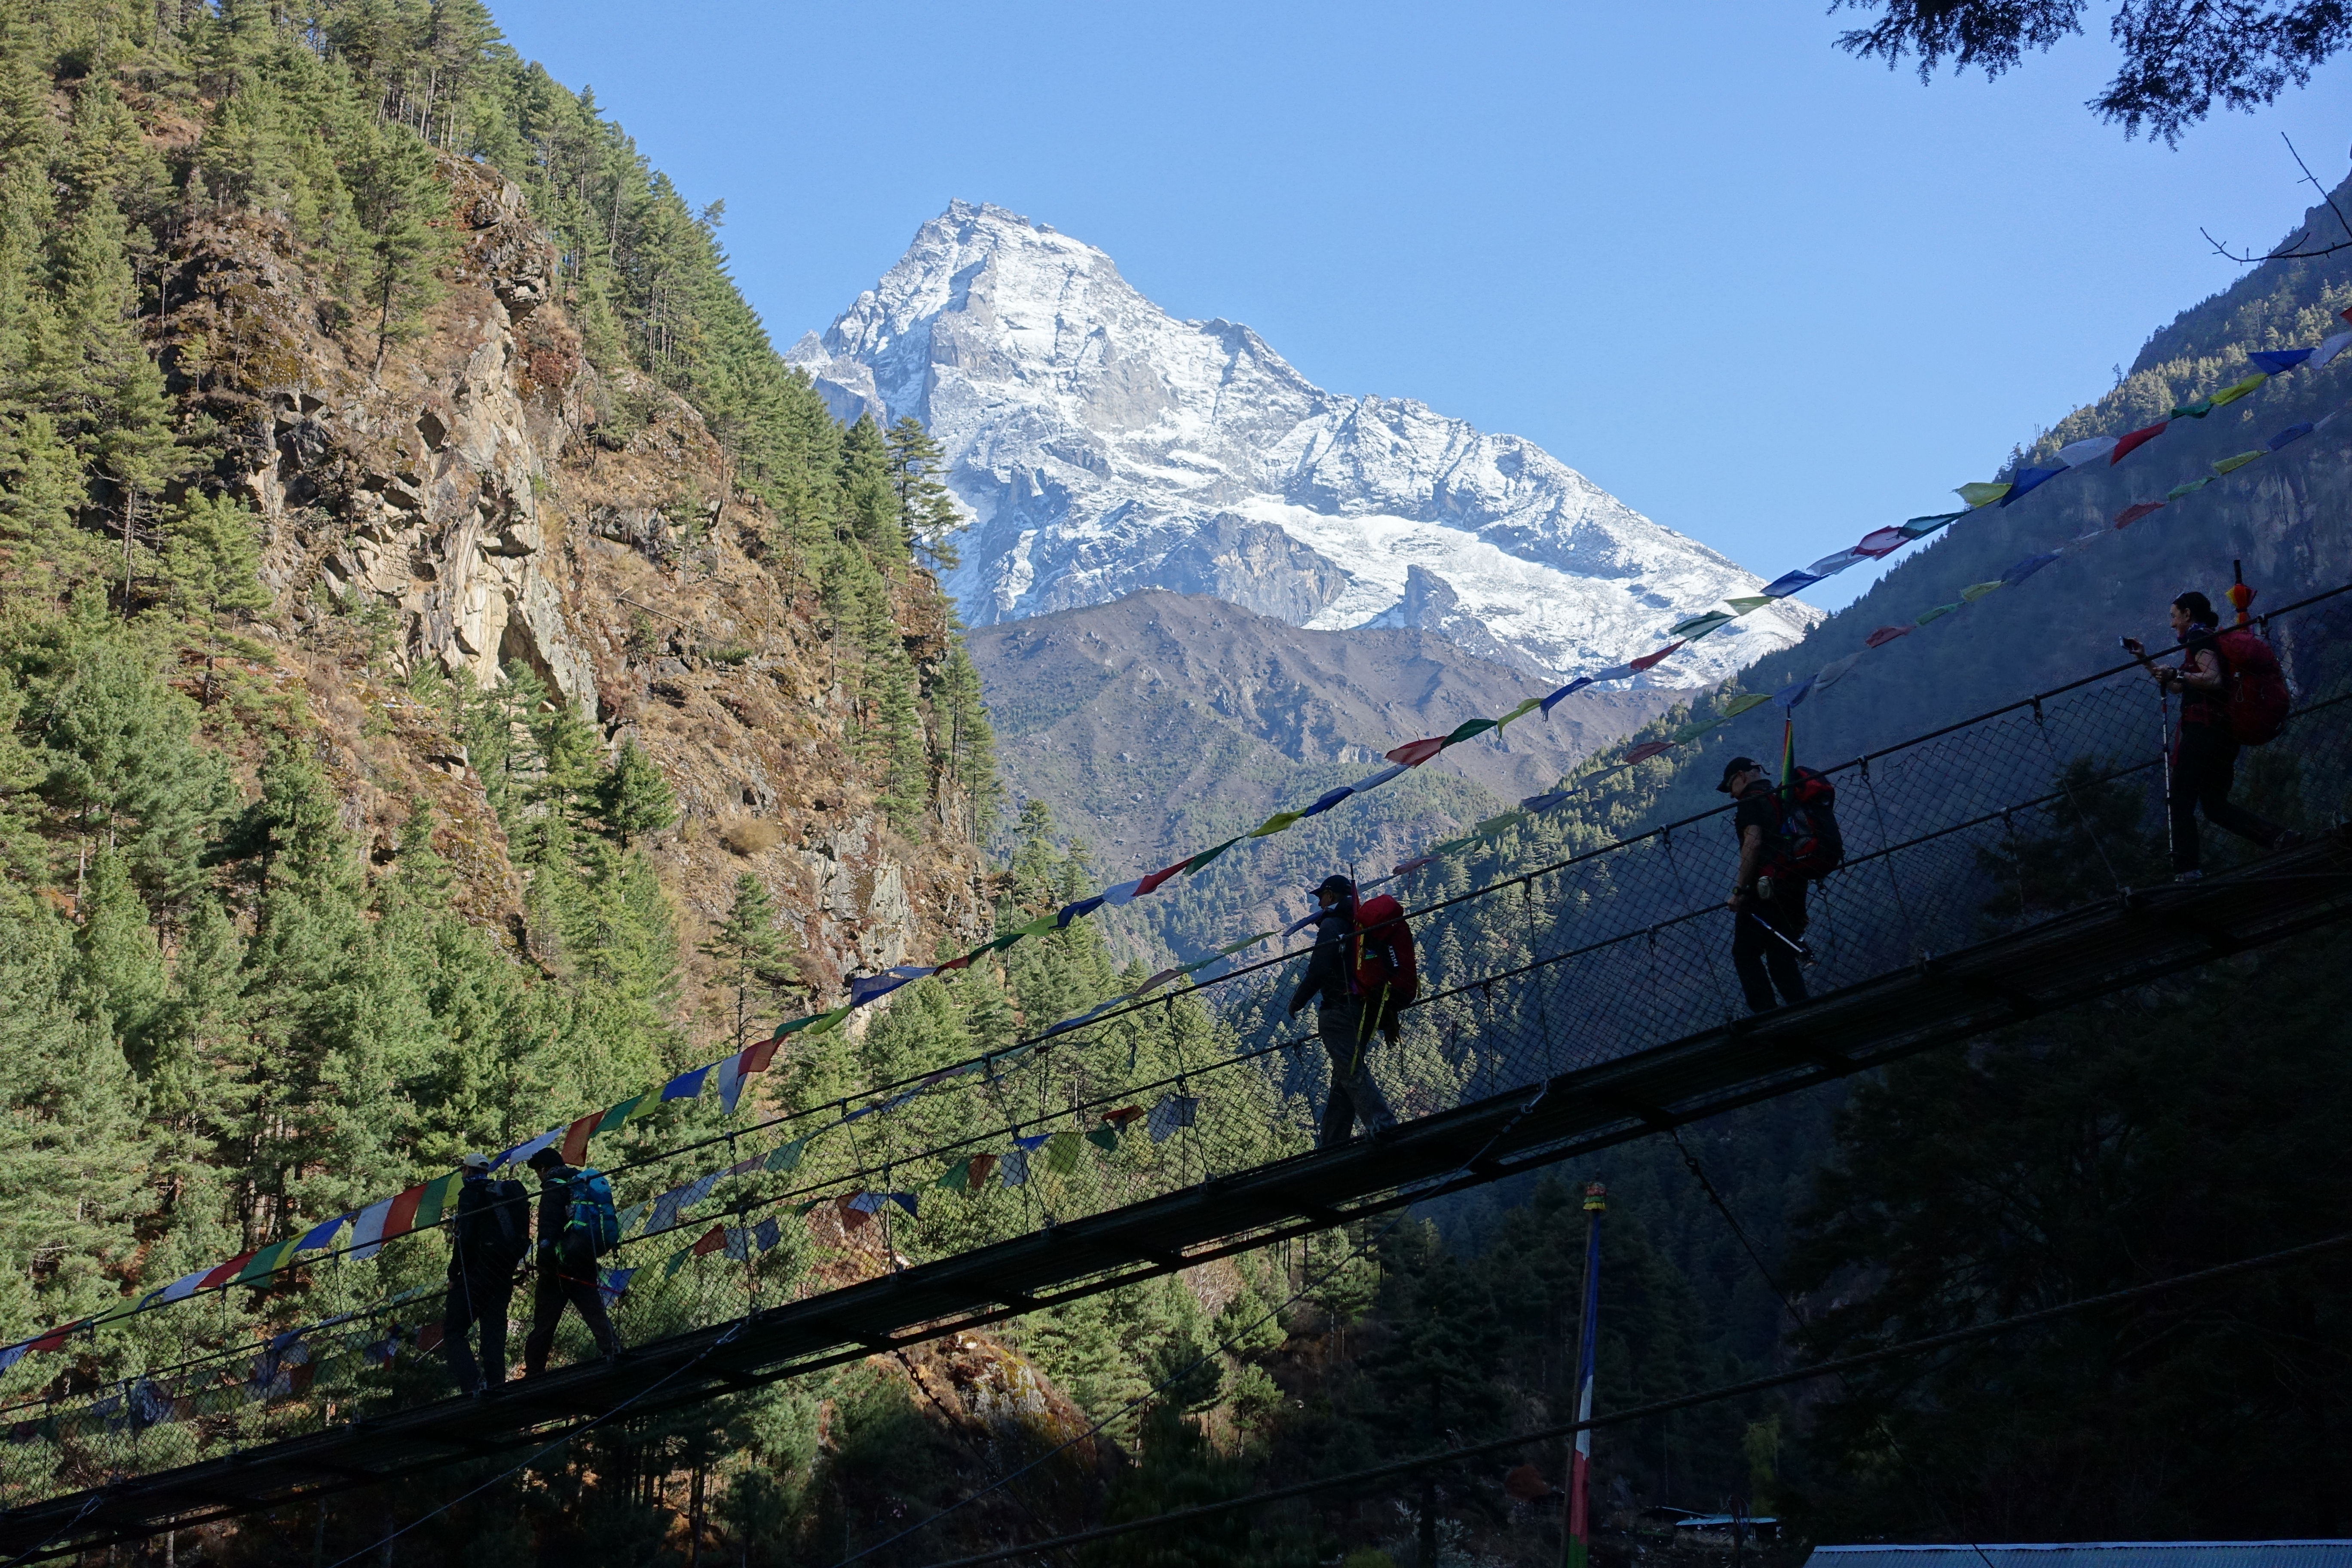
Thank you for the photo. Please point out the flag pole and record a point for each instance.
(1576, 1540)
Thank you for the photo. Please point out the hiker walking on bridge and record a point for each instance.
(488, 1241)
(2214, 721)
(566, 1259)
(1342, 1020)
(1770, 908)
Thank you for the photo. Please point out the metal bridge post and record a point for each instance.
(1576, 1542)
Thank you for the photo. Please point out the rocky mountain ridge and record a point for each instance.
(1100, 446)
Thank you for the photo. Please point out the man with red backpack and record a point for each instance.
(1766, 899)
(1345, 1016)
(2232, 694)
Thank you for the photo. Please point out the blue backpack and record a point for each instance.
(592, 1216)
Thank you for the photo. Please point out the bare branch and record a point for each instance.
(2286, 250)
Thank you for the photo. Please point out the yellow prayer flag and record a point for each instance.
(1982, 493)
(1275, 824)
(1741, 704)
(2231, 465)
(1530, 706)
(2231, 394)
(1975, 591)
(1495, 825)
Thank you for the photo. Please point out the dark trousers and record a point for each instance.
(2204, 763)
(564, 1279)
(479, 1293)
(1348, 1036)
(1763, 960)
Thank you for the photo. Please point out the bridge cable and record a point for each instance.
(1659, 1407)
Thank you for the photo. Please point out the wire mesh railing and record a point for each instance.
(1984, 827)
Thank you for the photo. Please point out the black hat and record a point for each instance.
(1335, 883)
(1733, 769)
(541, 1159)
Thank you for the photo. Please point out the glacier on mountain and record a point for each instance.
(1100, 446)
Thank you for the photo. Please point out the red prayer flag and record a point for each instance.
(1157, 878)
(955, 963)
(1413, 753)
(401, 1218)
(56, 1338)
(710, 1241)
(1885, 635)
(575, 1143)
(2138, 510)
(2139, 437)
(1123, 1115)
(1648, 748)
(851, 1216)
(1414, 864)
(229, 1271)
(758, 1054)
(2347, 315)
(1648, 660)
(1880, 542)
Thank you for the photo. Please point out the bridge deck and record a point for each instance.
(2105, 947)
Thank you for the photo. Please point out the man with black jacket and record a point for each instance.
(486, 1241)
(1769, 910)
(567, 1270)
(1340, 1018)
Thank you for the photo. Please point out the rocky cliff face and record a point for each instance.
(475, 503)
(1102, 446)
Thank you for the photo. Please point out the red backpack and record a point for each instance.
(1383, 951)
(1811, 845)
(2254, 693)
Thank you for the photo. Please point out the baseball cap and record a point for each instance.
(1733, 769)
(473, 1162)
(1335, 883)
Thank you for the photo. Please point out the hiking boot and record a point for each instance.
(2188, 876)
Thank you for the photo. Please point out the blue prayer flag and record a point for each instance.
(1578, 684)
(1329, 799)
(1788, 582)
(1790, 696)
(2292, 434)
(1078, 910)
(322, 1235)
(2026, 568)
(2274, 362)
(686, 1085)
(2027, 479)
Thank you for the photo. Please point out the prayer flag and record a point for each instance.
(825, 1023)
(521, 1153)
(367, 1231)
(1790, 696)
(2197, 410)
(904, 1201)
(2191, 487)
(863, 989)
(2231, 465)
(709, 1241)
(1328, 799)
(1831, 565)
(1105, 1138)
(620, 1115)
(1016, 1167)
(1413, 753)
(1041, 925)
(983, 1166)
(2277, 362)
(1697, 727)
(1981, 494)
(1881, 541)
(1648, 748)
(1570, 689)
(2236, 390)
(1122, 1116)
(56, 1338)
(786, 1155)
(264, 1263)
(613, 1281)
(1835, 671)
(322, 1235)
(1147, 884)
(2027, 568)
(1275, 824)
(1379, 778)
(1788, 582)
(2030, 478)
(1921, 527)
(676, 1261)
(686, 1085)
(1975, 591)
(1035, 1141)
(1527, 705)
(1062, 1153)
(1069, 912)
(1121, 896)
(1172, 1113)
(2126, 444)
(1752, 602)
(2291, 435)
(1743, 703)
(1501, 820)
(2138, 510)
(957, 1177)
(1885, 635)
(739, 1243)
(180, 1289)
(436, 1201)
(221, 1274)
(2090, 449)
(767, 1233)
(1648, 659)
(1699, 627)
(575, 1140)
(1467, 729)
(632, 1215)
(1201, 860)
(2328, 351)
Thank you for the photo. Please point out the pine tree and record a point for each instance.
(211, 560)
(754, 958)
(632, 797)
(403, 211)
(925, 509)
(121, 964)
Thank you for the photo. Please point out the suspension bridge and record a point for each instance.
(1997, 870)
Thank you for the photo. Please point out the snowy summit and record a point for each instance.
(1102, 446)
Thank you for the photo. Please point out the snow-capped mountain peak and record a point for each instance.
(1101, 446)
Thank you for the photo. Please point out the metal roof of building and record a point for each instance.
(2094, 1554)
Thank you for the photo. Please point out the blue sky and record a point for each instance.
(1770, 295)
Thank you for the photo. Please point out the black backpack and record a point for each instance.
(496, 1226)
(1811, 845)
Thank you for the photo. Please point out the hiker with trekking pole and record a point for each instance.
(1349, 1012)
(2233, 694)
(1788, 835)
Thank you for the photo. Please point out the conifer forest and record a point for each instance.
(456, 674)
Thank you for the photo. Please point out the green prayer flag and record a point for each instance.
(2197, 410)
(1751, 602)
(1975, 591)
(435, 1200)
(619, 1115)
(1495, 825)
(787, 1155)
(1468, 728)
(2231, 465)
(1982, 493)
(1742, 703)
(1062, 1153)
(827, 1021)
(1921, 527)
(2177, 491)
(266, 1262)
(1931, 614)
(2231, 394)
(1451, 844)
(1693, 730)
(1699, 627)
(1041, 925)
(809, 1208)
(1105, 1138)
(1530, 706)
(679, 1260)
(1234, 947)
(1206, 855)
(1275, 824)
(957, 1177)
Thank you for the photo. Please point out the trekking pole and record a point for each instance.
(1803, 952)
(2163, 750)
